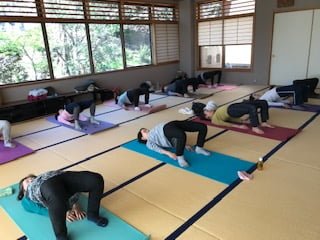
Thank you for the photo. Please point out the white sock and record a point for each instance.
(93, 120)
(77, 125)
(137, 109)
(182, 162)
(9, 144)
(202, 151)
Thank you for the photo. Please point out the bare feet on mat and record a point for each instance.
(264, 124)
(257, 130)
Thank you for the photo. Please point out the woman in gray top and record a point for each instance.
(172, 134)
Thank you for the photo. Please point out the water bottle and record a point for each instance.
(260, 164)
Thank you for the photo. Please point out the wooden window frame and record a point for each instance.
(222, 17)
(87, 20)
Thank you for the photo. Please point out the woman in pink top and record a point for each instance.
(72, 113)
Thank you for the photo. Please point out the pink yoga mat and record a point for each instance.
(277, 133)
(9, 154)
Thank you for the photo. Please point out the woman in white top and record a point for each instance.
(276, 96)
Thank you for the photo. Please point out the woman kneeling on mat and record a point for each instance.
(55, 193)
(172, 134)
(233, 115)
(275, 96)
(72, 112)
(132, 96)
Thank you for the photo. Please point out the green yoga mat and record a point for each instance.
(37, 227)
(217, 166)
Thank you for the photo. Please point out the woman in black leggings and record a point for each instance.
(172, 134)
(55, 190)
(232, 115)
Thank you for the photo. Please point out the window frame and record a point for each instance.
(222, 17)
(88, 19)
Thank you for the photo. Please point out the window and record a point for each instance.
(225, 30)
(68, 49)
(137, 45)
(54, 39)
(106, 47)
(22, 53)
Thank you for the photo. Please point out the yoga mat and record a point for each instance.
(276, 133)
(220, 87)
(153, 109)
(9, 154)
(87, 127)
(217, 166)
(190, 95)
(37, 227)
(304, 107)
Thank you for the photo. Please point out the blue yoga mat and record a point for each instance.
(217, 166)
(37, 227)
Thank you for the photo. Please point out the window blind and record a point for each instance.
(167, 42)
(103, 10)
(164, 14)
(63, 9)
(135, 12)
(25, 8)
(219, 8)
(238, 30)
(210, 33)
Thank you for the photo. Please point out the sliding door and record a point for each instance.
(314, 59)
(290, 46)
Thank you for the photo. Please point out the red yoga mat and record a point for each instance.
(276, 133)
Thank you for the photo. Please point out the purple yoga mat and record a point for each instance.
(87, 127)
(304, 107)
(276, 133)
(9, 154)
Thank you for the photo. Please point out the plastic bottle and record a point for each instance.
(260, 164)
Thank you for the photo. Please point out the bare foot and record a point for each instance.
(264, 124)
(257, 130)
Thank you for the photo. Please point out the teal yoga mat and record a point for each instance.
(37, 227)
(217, 166)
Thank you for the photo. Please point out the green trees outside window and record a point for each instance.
(137, 45)
(22, 53)
(106, 47)
(68, 49)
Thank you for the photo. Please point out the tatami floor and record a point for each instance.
(280, 203)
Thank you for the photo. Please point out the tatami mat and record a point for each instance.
(304, 148)
(281, 202)
(35, 163)
(244, 146)
(51, 136)
(8, 229)
(141, 214)
(177, 191)
(120, 165)
(288, 118)
(31, 126)
(196, 233)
